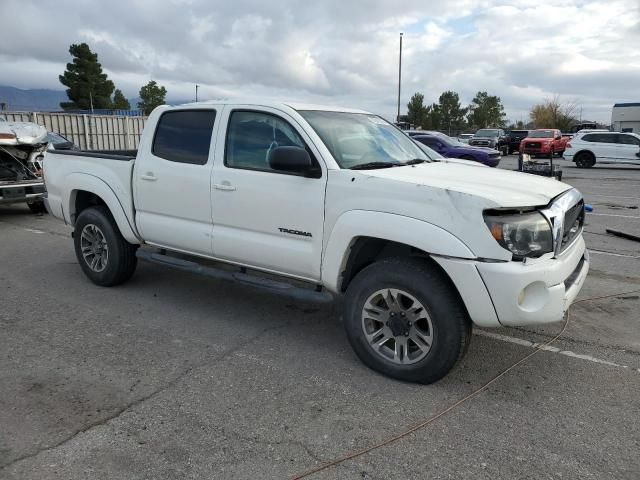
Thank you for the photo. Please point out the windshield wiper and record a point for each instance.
(416, 161)
(373, 165)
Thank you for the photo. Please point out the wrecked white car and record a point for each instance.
(22, 146)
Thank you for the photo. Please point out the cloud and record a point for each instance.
(339, 52)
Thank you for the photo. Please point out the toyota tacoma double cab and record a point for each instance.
(341, 203)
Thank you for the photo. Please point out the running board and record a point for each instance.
(274, 286)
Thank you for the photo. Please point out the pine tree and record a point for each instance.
(87, 85)
(119, 101)
(151, 95)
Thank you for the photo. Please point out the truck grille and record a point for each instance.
(566, 215)
(572, 225)
(480, 143)
(532, 144)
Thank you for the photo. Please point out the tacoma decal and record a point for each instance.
(295, 232)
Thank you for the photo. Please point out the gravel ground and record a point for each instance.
(180, 376)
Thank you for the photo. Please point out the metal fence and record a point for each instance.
(89, 132)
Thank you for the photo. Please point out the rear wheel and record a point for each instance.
(405, 320)
(585, 160)
(103, 253)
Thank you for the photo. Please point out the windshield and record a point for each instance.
(541, 134)
(487, 133)
(359, 138)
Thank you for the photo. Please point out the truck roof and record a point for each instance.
(275, 104)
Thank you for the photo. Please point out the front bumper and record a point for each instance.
(535, 292)
(27, 192)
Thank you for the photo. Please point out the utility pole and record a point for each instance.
(399, 77)
(197, 86)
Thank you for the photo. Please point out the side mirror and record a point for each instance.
(290, 159)
(558, 137)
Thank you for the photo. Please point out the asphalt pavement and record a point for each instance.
(180, 376)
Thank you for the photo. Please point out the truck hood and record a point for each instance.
(503, 188)
(26, 133)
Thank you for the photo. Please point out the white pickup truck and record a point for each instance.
(343, 201)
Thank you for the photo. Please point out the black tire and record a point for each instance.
(585, 160)
(37, 208)
(121, 261)
(451, 326)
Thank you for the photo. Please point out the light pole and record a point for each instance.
(197, 86)
(399, 78)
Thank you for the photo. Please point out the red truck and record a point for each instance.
(544, 141)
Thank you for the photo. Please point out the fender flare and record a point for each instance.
(89, 183)
(416, 233)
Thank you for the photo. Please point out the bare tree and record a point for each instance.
(553, 113)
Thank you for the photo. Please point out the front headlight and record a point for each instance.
(524, 235)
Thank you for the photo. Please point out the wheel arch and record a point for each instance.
(86, 191)
(357, 240)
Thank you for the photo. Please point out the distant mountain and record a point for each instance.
(37, 100)
(44, 100)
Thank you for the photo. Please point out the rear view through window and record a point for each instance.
(184, 136)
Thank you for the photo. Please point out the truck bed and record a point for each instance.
(93, 171)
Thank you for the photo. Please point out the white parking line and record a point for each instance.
(599, 252)
(613, 215)
(548, 348)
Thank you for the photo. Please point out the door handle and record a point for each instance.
(224, 186)
(149, 176)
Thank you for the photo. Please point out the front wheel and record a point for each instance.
(404, 319)
(103, 253)
(585, 160)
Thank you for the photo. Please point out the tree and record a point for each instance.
(451, 113)
(87, 86)
(416, 110)
(151, 95)
(486, 111)
(119, 101)
(552, 113)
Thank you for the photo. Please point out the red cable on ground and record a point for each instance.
(473, 394)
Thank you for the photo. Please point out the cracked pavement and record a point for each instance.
(178, 376)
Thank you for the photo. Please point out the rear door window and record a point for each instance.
(184, 136)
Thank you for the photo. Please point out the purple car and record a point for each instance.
(450, 147)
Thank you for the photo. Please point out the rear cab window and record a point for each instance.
(184, 136)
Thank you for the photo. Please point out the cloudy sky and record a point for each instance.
(339, 51)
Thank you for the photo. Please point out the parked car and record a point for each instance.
(465, 137)
(436, 157)
(515, 137)
(21, 148)
(491, 138)
(591, 147)
(544, 141)
(340, 200)
(450, 147)
(58, 142)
